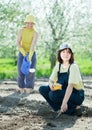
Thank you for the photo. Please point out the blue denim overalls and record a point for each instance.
(55, 98)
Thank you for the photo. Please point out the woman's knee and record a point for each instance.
(41, 89)
(44, 89)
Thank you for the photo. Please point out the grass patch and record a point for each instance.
(85, 66)
(8, 69)
(43, 68)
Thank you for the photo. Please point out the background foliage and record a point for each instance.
(58, 21)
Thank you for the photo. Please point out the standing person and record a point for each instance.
(69, 98)
(27, 39)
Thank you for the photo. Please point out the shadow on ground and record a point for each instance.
(36, 111)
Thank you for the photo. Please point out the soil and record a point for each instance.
(31, 112)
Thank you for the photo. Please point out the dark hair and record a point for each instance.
(71, 59)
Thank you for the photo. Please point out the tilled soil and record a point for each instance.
(31, 112)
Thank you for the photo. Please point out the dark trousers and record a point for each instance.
(28, 80)
(55, 98)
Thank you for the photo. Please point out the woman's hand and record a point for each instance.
(68, 93)
(64, 107)
(52, 88)
(51, 85)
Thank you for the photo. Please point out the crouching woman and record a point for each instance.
(70, 96)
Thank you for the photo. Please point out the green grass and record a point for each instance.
(43, 68)
(8, 69)
(85, 66)
(5, 61)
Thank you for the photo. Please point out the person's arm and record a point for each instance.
(19, 43)
(33, 45)
(68, 93)
(53, 77)
(51, 84)
(19, 40)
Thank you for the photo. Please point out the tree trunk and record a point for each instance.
(53, 59)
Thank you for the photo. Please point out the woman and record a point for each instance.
(27, 39)
(66, 72)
